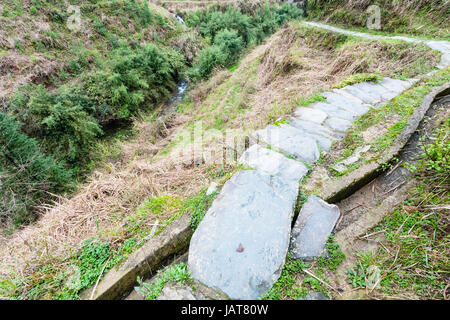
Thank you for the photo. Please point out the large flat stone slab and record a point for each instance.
(338, 124)
(312, 228)
(334, 111)
(310, 115)
(312, 128)
(272, 163)
(240, 246)
(394, 86)
(324, 141)
(385, 92)
(176, 292)
(346, 103)
(289, 140)
(365, 94)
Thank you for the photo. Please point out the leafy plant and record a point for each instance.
(177, 273)
(28, 175)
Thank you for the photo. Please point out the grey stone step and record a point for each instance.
(324, 141)
(346, 103)
(313, 128)
(385, 92)
(338, 124)
(240, 246)
(175, 292)
(312, 228)
(395, 86)
(335, 111)
(273, 163)
(364, 94)
(310, 115)
(289, 140)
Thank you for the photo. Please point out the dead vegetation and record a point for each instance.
(418, 17)
(103, 204)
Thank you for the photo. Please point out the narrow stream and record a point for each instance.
(181, 89)
(170, 105)
(179, 19)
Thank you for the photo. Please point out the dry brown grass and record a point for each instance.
(102, 204)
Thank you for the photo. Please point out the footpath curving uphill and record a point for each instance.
(441, 46)
(240, 247)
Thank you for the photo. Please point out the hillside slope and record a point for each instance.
(418, 17)
(72, 75)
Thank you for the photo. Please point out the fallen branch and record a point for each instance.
(98, 279)
(323, 282)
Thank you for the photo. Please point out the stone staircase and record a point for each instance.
(240, 247)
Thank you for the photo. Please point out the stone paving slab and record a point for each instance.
(335, 111)
(385, 93)
(395, 86)
(324, 141)
(272, 163)
(366, 95)
(314, 225)
(290, 141)
(310, 115)
(312, 128)
(240, 246)
(338, 124)
(346, 103)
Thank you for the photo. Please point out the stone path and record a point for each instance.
(240, 247)
(441, 46)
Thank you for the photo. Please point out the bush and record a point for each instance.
(230, 44)
(27, 175)
(210, 58)
(64, 120)
(131, 78)
(231, 31)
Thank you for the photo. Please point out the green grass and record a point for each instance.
(65, 281)
(177, 273)
(414, 259)
(295, 283)
(358, 78)
(197, 207)
(304, 102)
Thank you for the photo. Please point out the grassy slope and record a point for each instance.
(118, 206)
(414, 257)
(42, 59)
(428, 19)
(43, 49)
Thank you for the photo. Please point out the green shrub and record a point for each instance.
(230, 44)
(210, 58)
(65, 120)
(132, 77)
(232, 30)
(27, 174)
